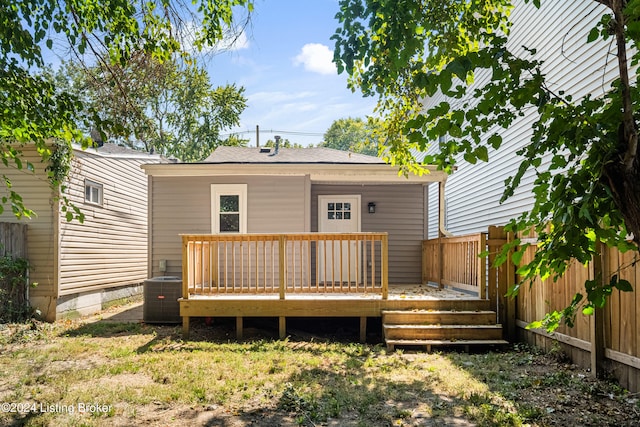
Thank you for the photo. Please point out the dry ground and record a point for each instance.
(146, 375)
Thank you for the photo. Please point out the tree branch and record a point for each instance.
(630, 134)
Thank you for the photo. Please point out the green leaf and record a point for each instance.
(624, 286)
(593, 35)
(482, 153)
(534, 325)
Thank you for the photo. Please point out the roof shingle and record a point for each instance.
(288, 155)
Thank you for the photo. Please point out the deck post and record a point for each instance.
(185, 327)
(185, 267)
(239, 328)
(384, 267)
(185, 283)
(363, 329)
(282, 327)
(282, 244)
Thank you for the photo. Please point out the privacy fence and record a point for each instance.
(14, 273)
(605, 341)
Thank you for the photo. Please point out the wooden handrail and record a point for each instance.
(285, 263)
(456, 262)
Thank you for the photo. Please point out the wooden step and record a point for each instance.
(442, 332)
(438, 317)
(428, 343)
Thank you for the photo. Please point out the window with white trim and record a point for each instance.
(93, 192)
(229, 208)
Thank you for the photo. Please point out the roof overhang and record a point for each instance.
(319, 173)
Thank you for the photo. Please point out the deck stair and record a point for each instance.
(429, 328)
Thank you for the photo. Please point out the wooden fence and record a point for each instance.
(607, 340)
(450, 253)
(13, 240)
(285, 263)
(14, 277)
(456, 262)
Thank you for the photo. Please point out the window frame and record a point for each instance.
(91, 184)
(218, 190)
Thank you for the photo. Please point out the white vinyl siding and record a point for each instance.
(473, 192)
(109, 248)
(41, 244)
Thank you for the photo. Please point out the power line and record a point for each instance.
(284, 132)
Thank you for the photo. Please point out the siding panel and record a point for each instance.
(109, 248)
(473, 191)
(37, 196)
(183, 205)
(399, 211)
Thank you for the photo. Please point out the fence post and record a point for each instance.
(440, 261)
(599, 266)
(494, 280)
(510, 302)
(482, 267)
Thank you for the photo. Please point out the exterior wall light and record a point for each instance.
(372, 207)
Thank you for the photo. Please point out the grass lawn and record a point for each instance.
(81, 373)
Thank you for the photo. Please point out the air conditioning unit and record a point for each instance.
(161, 300)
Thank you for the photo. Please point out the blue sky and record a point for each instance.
(284, 63)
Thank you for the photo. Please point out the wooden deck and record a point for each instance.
(361, 305)
(323, 275)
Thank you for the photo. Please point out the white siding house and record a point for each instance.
(80, 266)
(558, 31)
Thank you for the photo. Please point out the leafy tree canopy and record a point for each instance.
(166, 107)
(99, 32)
(589, 192)
(353, 135)
(284, 143)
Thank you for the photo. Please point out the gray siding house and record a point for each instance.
(558, 31)
(80, 266)
(287, 191)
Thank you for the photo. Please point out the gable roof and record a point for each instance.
(260, 155)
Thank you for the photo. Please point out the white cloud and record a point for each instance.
(317, 58)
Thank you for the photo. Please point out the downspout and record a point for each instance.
(442, 231)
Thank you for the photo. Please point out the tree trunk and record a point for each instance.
(625, 187)
(624, 174)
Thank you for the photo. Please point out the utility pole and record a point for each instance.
(257, 135)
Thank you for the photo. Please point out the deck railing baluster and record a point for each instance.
(240, 263)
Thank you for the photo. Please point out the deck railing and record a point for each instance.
(456, 262)
(293, 263)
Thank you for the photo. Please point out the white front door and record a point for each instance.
(339, 214)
